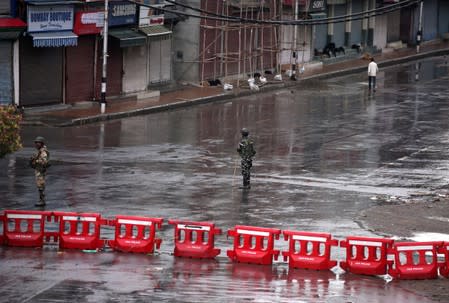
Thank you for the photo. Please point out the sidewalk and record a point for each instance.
(78, 114)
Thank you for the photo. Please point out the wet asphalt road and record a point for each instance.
(325, 150)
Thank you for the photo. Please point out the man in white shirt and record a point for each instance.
(372, 72)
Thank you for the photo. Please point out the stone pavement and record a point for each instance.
(82, 113)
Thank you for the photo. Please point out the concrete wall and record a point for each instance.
(186, 48)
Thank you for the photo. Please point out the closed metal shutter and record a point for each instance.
(394, 26)
(320, 36)
(166, 59)
(135, 68)
(339, 28)
(80, 69)
(6, 72)
(356, 25)
(430, 20)
(443, 18)
(160, 60)
(41, 73)
(4, 7)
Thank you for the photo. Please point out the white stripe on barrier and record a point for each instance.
(309, 238)
(75, 218)
(23, 216)
(365, 243)
(418, 247)
(253, 232)
(194, 227)
(134, 222)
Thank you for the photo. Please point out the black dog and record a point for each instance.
(340, 49)
(215, 82)
(357, 47)
(329, 50)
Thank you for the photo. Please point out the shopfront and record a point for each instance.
(83, 61)
(159, 45)
(42, 52)
(127, 49)
(10, 30)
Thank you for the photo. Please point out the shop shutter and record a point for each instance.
(41, 74)
(430, 20)
(443, 19)
(79, 70)
(166, 59)
(155, 62)
(135, 68)
(339, 28)
(4, 7)
(6, 87)
(356, 25)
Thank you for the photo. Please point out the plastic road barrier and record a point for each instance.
(415, 260)
(24, 228)
(79, 230)
(309, 250)
(366, 256)
(254, 244)
(2, 229)
(444, 268)
(136, 234)
(195, 239)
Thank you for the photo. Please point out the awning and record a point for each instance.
(53, 2)
(318, 15)
(155, 30)
(11, 23)
(54, 39)
(128, 37)
(170, 17)
(11, 28)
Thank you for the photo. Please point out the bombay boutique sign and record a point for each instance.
(51, 26)
(46, 18)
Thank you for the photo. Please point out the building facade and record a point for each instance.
(51, 50)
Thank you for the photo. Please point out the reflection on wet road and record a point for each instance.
(114, 277)
(324, 149)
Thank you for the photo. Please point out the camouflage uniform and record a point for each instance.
(247, 152)
(40, 163)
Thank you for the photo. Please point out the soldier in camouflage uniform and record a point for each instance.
(247, 152)
(40, 163)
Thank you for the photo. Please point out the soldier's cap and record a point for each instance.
(244, 132)
(39, 139)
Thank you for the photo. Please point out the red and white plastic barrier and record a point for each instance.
(195, 239)
(254, 244)
(136, 234)
(309, 250)
(444, 267)
(80, 230)
(2, 229)
(415, 260)
(366, 256)
(24, 228)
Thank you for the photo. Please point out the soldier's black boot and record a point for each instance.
(41, 198)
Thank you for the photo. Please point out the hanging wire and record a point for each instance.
(336, 19)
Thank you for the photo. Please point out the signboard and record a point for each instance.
(149, 16)
(88, 23)
(122, 13)
(317, 6)
(49, 18)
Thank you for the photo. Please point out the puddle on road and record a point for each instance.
(72, 276)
